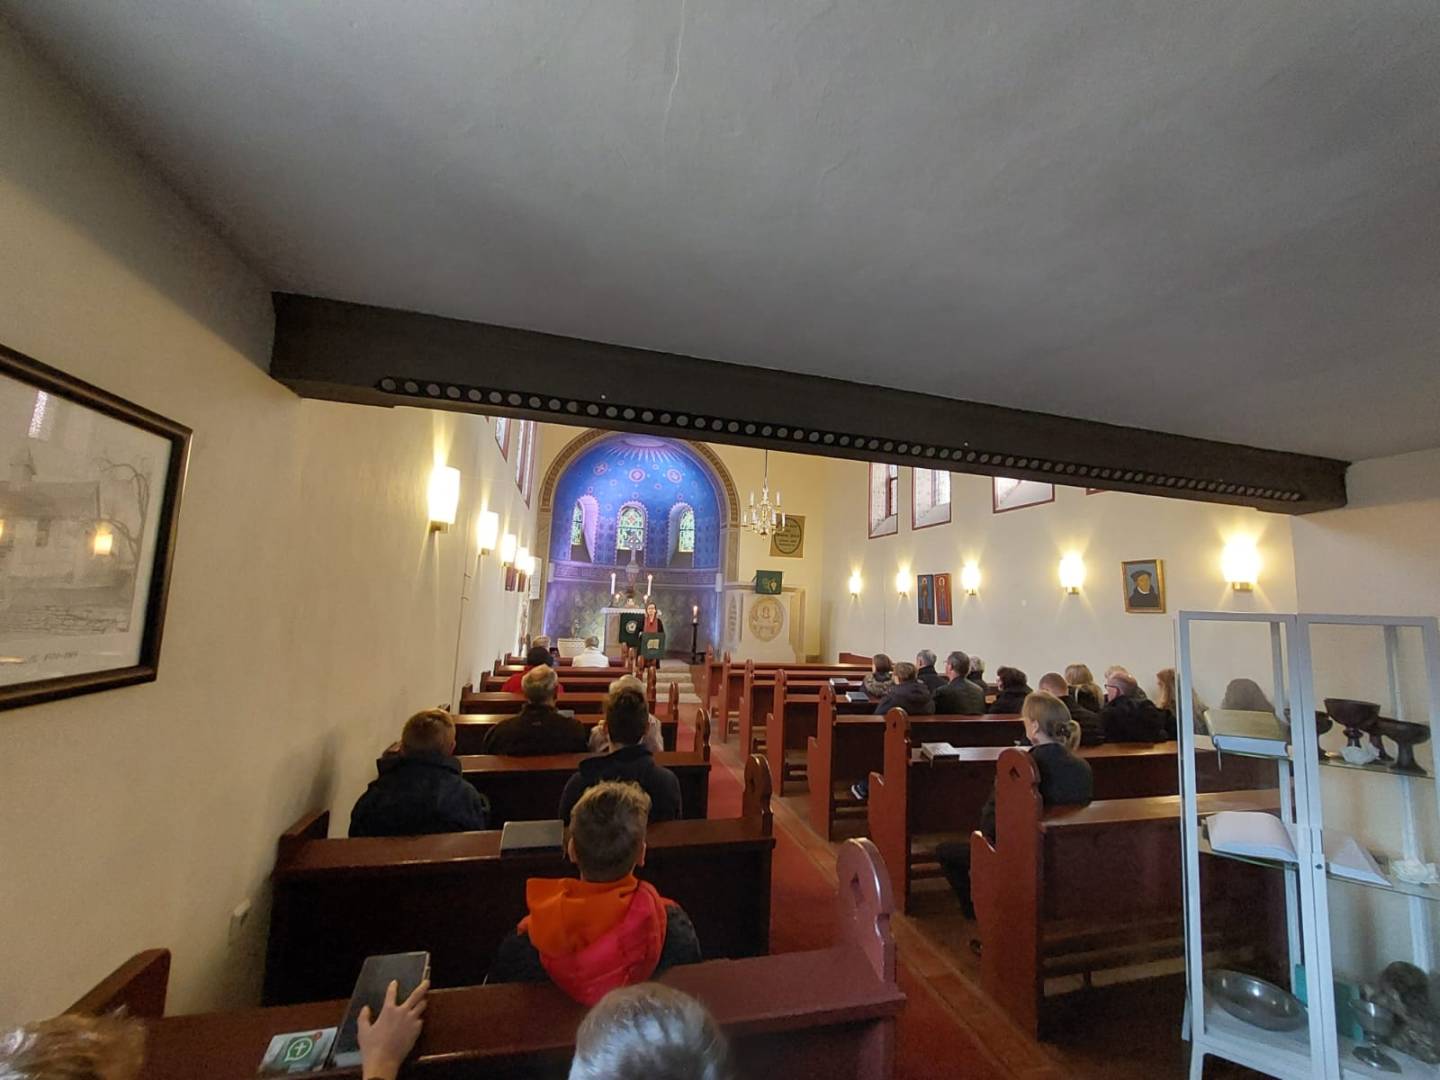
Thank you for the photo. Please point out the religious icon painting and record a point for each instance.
(925, 598)
(944, 613)
(1144, 583)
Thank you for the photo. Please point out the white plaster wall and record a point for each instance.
(310, 610)
(1021, 616)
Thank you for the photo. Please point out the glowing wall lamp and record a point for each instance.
(522, 560)
(444, 497)
(508, 545)
(1072, 573)
(970, 578)
(902, 581)
(1240, 563)
(855, 583)
(104, 541)
(487, 531)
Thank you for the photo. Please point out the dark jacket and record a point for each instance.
(1086, 699)
(417, 794)
(1128, 719)
(1065, 780)
(959, 697)
(979, 681)
(536, 730)
(1009, 701)
(634, 764)
(516, 960)
(932, 679)
(913, 696)
(1092, 731)
(877, 686)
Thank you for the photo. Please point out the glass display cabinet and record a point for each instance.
(1311, 908)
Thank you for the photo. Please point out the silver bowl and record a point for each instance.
(1254, 1000)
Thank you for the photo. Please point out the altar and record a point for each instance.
(762, 626)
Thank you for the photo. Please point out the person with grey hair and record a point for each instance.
(977, 672)
(959, 696)
(925, 671)
(538, 728)
(591, 656)
(650, 1032)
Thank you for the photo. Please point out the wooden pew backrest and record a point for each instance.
(137, 986)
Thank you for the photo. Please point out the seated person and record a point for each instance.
(882, 676)
(1127, 718)
(977, 673)
(1167, 700)
(1014, 689)
(959, 696)
(1246, 695)
(605, 929)
(1065, 780)
(591, 656)
(420, 789)
(386, 1040)
(1083, 687)
(600, 742)
(539, 728)
(1088, 731)
(925, 670)
(650, 1032)
(907, 693)
(536, 656)
(1116, 669)
(627, 718)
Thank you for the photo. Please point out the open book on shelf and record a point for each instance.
(1265, 836)
(1242, 731)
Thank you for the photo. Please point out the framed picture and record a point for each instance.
(1007, 494)
(1144, 583)
(88, 516)
(788, 541)
(925, 598)
(944, 613)
(769, 582)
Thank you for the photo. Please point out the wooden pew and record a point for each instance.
(1046, 899)
(529, 788)
(509, 704)
(791, 718)
(472, 730)
(580, 681)
(915, 803)
(518, 662)
(137, 986)
(757, 696)
(737, 679)
(856, 658)
(338, 901)
(829, 1013)
(845, 749)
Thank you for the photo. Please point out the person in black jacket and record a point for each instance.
(977, 673)
(1065, 780)
(538, 728)
(908, 693)
(1014, 688)
(1128, 717)
(420, 789)
(959, 696)
(627, 717)
(1087, 723)
(925, 670)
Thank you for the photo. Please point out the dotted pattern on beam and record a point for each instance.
(685, 422)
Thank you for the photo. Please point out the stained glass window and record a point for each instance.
(630, 529)
(577, 525)
(687, 531)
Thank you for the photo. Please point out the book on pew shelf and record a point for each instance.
(409, 969)
(1349, 859)
(1240, 731)
(532, 836)
(1250, 832)
(840, 683)
(856, 695)
(932, 750)
(297, 1052)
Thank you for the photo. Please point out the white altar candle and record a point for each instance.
(612, 582)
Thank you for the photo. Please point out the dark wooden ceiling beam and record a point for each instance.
(377, 356)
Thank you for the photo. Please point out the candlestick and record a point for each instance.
(695, 612)
(612, 582)
(649, 583)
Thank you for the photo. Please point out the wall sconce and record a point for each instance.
(522, 560)
(104, 541)
(1072, 573)
(970, 578)
(902, 582)
(508, 545)
(444, 497)
(855, 583)
(1240, 563)
(487, 531)
(2, 528)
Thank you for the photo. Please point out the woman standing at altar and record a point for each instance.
(653, 624)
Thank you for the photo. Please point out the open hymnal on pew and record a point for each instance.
(1264, 836)
(409, 970)
(932, 750)
(1240, 731)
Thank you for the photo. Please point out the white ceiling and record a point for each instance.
(1219, 218)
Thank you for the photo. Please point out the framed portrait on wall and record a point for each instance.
(944, 613)
(1144, 583)
(925, 599)
(1007, 494)
(89, 508)
(788, 540)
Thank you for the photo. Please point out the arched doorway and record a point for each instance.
(647, 510)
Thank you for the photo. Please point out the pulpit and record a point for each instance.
(755, 626)
(614, 629)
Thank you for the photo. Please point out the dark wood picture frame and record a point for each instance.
(60, 385)
(1156, 569)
